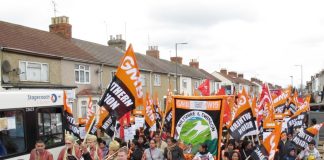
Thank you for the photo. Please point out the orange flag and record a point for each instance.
(149, 112)
(243, 121)
(125, 90)
(268, 148)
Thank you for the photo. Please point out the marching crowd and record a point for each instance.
(160, 146)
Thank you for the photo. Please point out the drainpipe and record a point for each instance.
(151, 88)
(100, 79)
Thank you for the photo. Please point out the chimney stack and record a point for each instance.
(223, 71)
(241, 75)
(117, 42)
(176, 59)
(61, 26)
(232, 74)
(194, 63)
(153, 51)
(254, 79)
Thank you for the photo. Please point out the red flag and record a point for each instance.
(221, 91)
(204, 88)
(227, 111)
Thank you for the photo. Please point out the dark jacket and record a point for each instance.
(284, 149)
(176, 152)
(138, 153)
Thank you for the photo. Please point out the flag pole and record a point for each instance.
(88, 131)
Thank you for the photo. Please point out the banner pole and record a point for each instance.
(88, 131)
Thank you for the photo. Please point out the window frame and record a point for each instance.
(41, 71)
(79, 69)
(157, 77)
(56, 144)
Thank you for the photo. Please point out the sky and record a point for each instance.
(269, 40)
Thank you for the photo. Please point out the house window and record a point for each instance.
(184, 83)
(157, 80)
(94, 106)
(82, 74)
(34, 71)
(196, 84)
(142, 77)
(84, 109)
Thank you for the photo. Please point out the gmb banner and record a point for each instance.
(197, 120)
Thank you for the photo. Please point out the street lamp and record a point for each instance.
(176, 50)
(301, 76)
(292, 81)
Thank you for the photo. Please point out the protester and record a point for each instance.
(139, 148)
(236, 156)
(229, 148)
(102, 135)
(310, 153)
(284, 145)
(113, 149)
(39, 152)
(152, 153)
(94, 152)
(173, 151)
(203, 153)
(103, 146)
(71, 151)
(160, 144)
(122, 153)
(247, 149)
(291, 154)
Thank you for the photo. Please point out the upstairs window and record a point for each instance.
(157, 80)
(33, 71)
(82, 74)
(142, 77)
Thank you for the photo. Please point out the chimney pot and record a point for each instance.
(117, 42)
(232, 74)
(194, 63)
(176, 59)
(153, 52)
(223, 71)
(60, 25)
(240, 75)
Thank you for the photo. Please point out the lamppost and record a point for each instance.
(292, 81)
(301, 76)
(176, 50)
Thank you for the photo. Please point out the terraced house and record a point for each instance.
(38, 60)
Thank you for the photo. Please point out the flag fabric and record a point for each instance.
(89, 111)
(106, 123)
(167, 116)
(304, 136)
(68, 115)
(157, 111)
(227, 116)
(91, 126)
(197, 120)
(125, 90)
(298, 119)
(265, 98)
(221, 92)
(150, 119)
(204, 88)
(244, 121)
(279, 103)
(267, 150)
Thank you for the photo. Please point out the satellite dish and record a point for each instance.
(6, 67)
(5, 78)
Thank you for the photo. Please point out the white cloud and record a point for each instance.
(258, 38)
